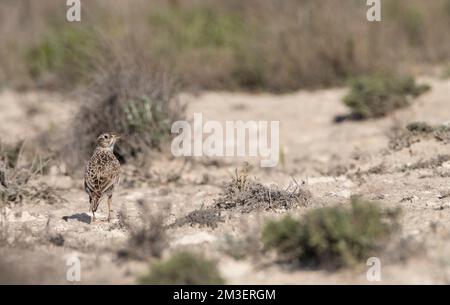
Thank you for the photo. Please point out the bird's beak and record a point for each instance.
(117, 136)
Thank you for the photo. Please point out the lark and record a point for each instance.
(102, 172)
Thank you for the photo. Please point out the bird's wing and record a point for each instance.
(101, 175)
(102, 181)
(111, 179)
(88, 179)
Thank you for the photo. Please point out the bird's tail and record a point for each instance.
(94, 202)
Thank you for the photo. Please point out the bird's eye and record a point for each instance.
(106, 136)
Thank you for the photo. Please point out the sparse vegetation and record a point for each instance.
(440, 133)
(16, 174)
(428, 164)
(183, 269)
(232, 45)
(148, 239)
(377, 96)
(420, 127)
(332, 236)
(414, 132)
(399, 138)
(129, 67)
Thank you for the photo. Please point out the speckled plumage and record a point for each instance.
(102, 172)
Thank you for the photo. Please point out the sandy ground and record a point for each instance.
(312, 146)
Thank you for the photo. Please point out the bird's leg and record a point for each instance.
(90, 204)
(109, 207)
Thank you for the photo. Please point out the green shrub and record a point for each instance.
(183, 269)
(377, 96)
(332, 236)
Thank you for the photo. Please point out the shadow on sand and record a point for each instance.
(82, 217)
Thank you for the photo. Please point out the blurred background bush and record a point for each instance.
(259, 45)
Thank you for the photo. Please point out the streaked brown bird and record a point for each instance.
(102, 172)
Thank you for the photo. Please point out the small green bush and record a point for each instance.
(377, 96)
(183, 269)
(332, 236)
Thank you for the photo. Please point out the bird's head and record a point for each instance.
(107, 140)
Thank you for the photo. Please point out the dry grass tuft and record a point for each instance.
(16, 175)
(246, 195)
